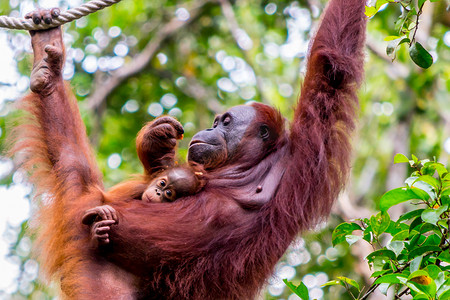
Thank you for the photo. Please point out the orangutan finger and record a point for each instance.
(55, 12)
(107, 213)
(47, 17)
(89, 218)
(36, 17)
(102, 230)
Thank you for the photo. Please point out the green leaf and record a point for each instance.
(370, 11)
(429, 166)
(422, 250)
(351, 238)
(380, 222)
(444, 290)
(430, 180)
(349, 281)
(398, 195)
(415, 238)
(381, 253)
(332, 282)
(393, 45)
(396, 227)
(344, 281)
(401, 236)
(380, 273)
(422, 281)
(417, 274)
(420, 56)
(444, 256)
(445, 191)
(398, 158)
(388, 39)
(384, 287)
(445, 295)
(342, 230)
(380, 3)
(416, 222)
(443, 223)
(396, 246)
(415, 264)
(440, 279)
(411, 214)
(432, 240)
(368, 234)
(392, 278)
(433, 271)
(301, 290)
(424, 189)
(432, 216)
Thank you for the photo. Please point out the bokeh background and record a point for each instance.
(140, 59)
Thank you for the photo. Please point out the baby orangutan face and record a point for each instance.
(171, 185)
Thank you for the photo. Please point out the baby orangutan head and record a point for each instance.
(172, 184)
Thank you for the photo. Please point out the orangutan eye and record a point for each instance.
(169, 194)
(162, 183)
(216, 122)
(226, 120)
(264, 132)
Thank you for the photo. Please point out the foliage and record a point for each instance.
(410, 254)
(406, 28)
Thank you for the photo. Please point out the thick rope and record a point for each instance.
(65, 17)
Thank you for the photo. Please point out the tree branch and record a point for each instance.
(143, 59)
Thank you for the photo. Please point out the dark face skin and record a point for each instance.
(214, 146)
(171, 185)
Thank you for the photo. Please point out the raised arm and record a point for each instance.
(55, 137)
(324, 118)
(52, 144)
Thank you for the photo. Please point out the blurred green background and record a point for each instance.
(140, 59)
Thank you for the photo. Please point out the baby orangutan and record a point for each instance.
(172, 184)
(166, 186)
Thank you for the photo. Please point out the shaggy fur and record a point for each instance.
(223, 242)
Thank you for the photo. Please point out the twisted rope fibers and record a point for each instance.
(65, 17)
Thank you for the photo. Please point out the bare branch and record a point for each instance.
(142, 60)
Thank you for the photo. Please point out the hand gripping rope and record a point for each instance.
(65, 17)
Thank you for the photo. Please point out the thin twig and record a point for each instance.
(370, 291)
(416, 27)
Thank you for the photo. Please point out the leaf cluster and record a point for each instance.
(410, 254)
(406, 27)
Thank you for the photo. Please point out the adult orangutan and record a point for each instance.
(265, 183)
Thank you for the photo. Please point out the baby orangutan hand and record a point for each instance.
(100, 218)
